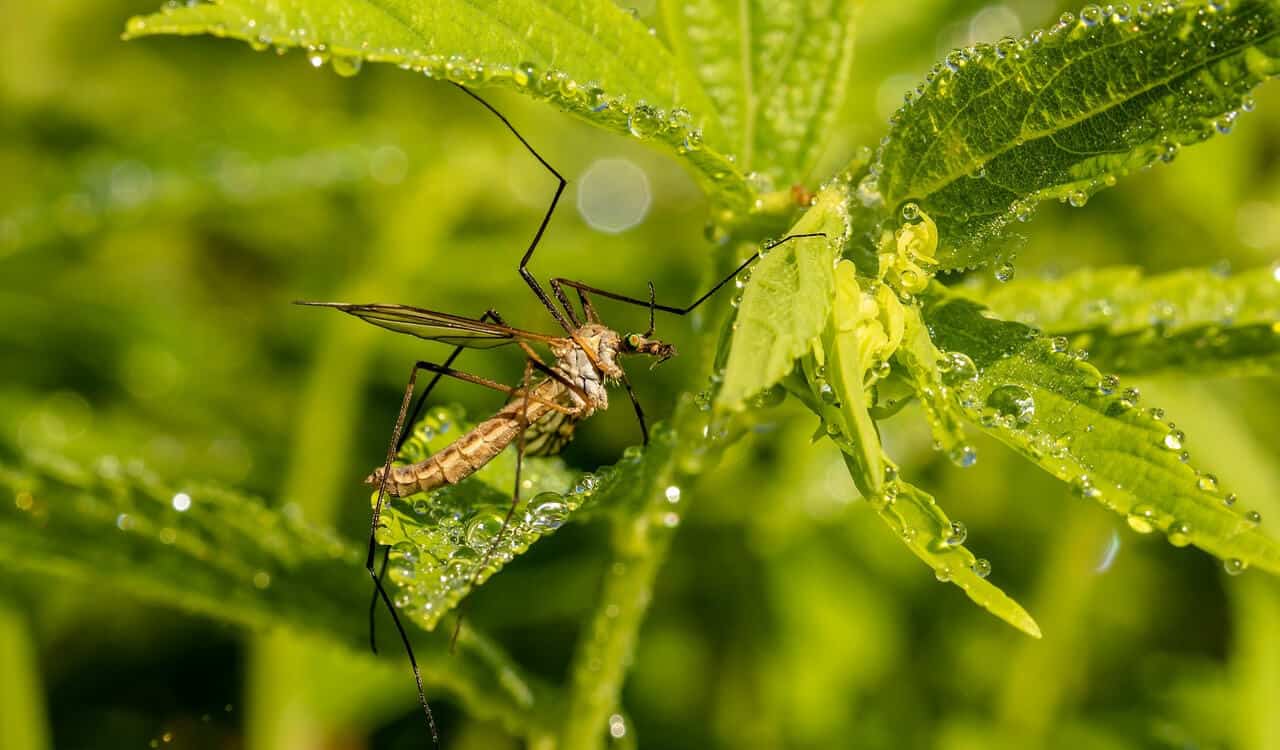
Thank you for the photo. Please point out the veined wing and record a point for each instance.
(437, 326)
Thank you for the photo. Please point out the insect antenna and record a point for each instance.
(582, 287)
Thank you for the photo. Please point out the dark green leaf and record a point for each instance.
(216, 553)
(1065, 112)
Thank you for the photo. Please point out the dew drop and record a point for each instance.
(1013, 403)
(1230, 500)
(547, 512)
(1059, 344)
(1004, 273)
(346, 66)
(1173, 440)
(1234, 566)
(482, 529)
(1108, 385)
(963, 456)
(1207, 483)
(1253, 517)
(643, 121)
(1180, 534)
(957, 368)
(981, 567)
(959, 533)
(1077, 198)
(910, 212)
(1142, 519)
(942, 573)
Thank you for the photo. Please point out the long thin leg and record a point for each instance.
(489, 314)
(523, 423)
(557, 282)
(626, 382)
(635, 404)
(373, 540)
(380, 591)
(525, 273)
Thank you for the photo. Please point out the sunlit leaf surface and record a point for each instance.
(1033, 393)
(1216, 322)
(785, 306)
(590, 58)
(777, 75)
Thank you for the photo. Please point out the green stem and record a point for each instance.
(640, 543)
(22, 711)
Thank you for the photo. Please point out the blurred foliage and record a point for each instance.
(176, 194)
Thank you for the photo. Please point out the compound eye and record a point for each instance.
(633, 340)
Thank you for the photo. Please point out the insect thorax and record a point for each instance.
(573, 363)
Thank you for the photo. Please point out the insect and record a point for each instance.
(540, 415)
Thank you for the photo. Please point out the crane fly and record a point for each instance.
(539, 416)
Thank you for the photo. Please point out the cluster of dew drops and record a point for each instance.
(438, 540)
(641, 119)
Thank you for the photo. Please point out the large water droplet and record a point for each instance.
(1234, 566)
(959, 532)
(482, 529)
(643, 121)
(1013, 403)
(957, 368)
(963, 456)
(547, 512)
(346, 66)
(1142, 519)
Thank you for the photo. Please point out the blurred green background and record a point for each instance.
(166, 199)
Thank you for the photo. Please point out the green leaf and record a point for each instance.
(1185, 321)
(590, 58)
(785, 306)
(211, 551)
(1033, 394)
(1065, 112)
(777, 75)
(916, 519)
(438, 539)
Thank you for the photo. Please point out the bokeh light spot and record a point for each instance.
(613, 195)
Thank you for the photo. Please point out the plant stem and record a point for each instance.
(640, 545)
(22, 710)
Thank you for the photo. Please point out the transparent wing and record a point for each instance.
(437, 326)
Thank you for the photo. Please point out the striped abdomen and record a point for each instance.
(466, 455)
